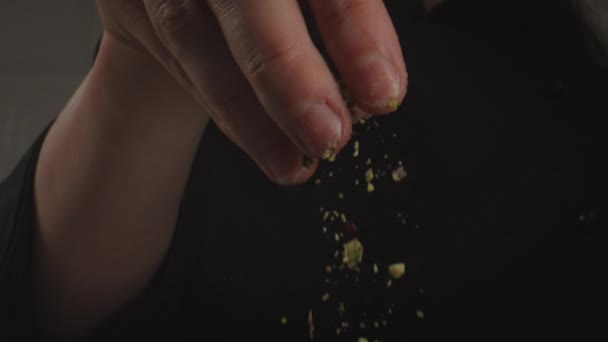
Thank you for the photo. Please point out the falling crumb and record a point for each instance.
(420, 314)
(399, 174)
(375, 268)
(317, 182)
(328, 269)
(330, 174)
(389, 283)
(325, 297)
(324, 229)
(350, 227)
(340, 195)
(376, 324)
(344, 324)
(396, 270)
(332, 158)
(343, 218)
(283, 320)
(338, 331)
(369, 175)
(362, 339)
(325, 215)
(368, 161)
(337, 237)
(386, 156)
(394, 135)
(392, 105)
(384, 323)
(352, 253)
(356, 149)
(311, 326)
(341, 308)
(370, 187)
(362, 325)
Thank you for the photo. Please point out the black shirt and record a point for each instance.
(498, 221)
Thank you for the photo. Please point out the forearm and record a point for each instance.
(108, 186)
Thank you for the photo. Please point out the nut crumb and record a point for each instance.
(352, 253)
(369, 175)
(311, 326)
(396, 270)
(399, 174)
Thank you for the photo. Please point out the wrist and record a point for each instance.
(131, 85)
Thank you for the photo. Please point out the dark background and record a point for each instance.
(45, 51)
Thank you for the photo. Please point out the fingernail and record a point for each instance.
(382, 82)
(321, 131)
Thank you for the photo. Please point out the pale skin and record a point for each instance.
(113, 167)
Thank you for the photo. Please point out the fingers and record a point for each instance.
(362, 43)
(271, 45)
(192, 36)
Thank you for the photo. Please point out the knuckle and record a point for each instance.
(223, 9)
(342, 9)
(172, 18)
(262, 60)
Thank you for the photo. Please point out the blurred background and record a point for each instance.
(46, 48)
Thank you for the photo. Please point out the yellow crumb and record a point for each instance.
(396, 270)
(370, 187)
(352, 253)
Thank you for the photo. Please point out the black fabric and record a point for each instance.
(17, 221)
(500, 221)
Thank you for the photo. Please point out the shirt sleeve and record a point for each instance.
(17, 219)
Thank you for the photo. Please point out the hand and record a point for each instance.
(253, 67)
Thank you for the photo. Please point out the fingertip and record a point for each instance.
(296, 175)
